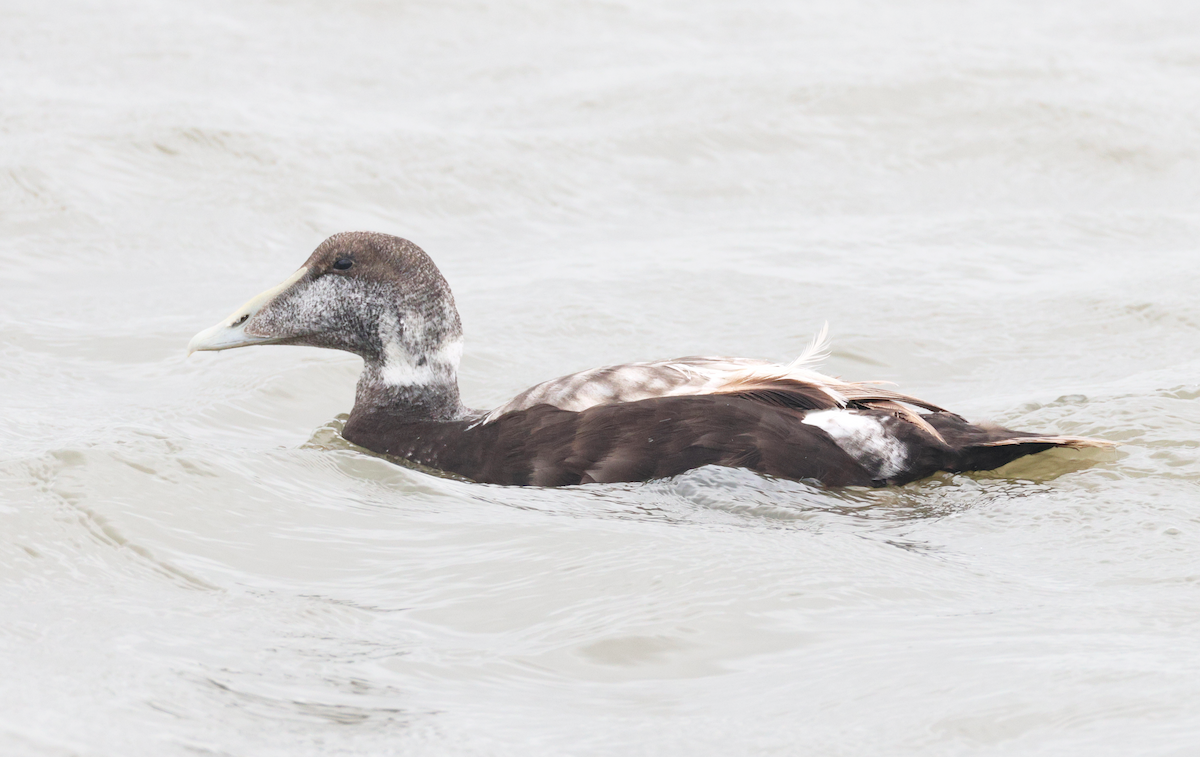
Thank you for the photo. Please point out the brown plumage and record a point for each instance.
(637, 441)
(383, 299)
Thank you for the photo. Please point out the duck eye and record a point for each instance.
(343, 264)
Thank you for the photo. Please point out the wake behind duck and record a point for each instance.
(382, 298)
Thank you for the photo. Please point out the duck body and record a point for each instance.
(665, 436)
(382, 298)
(635, 441)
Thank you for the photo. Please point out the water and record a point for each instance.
(993, 204)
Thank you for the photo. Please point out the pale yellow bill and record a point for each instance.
(231, 332)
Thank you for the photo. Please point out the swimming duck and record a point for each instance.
(382, 298)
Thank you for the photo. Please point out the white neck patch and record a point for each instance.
(402, 368)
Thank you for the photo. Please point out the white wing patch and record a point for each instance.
(865, 437)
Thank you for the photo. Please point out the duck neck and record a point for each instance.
(421, 389)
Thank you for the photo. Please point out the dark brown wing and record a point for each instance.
(665, 436)
(634, 441)
(802, 395)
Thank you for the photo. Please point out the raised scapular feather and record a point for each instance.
(795, 385)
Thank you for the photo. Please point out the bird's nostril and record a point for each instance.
(241, 320)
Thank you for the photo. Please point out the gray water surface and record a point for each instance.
(993, 204)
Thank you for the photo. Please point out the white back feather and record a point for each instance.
(678, 377)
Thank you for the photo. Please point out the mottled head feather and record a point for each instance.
(382, 298)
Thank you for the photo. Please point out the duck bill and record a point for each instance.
(231, 332)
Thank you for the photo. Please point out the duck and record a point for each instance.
(382, 298)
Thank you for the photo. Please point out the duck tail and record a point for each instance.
(988, 455)
(984, 446)
(1074, 442)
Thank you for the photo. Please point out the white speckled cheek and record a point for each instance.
(320, 303)
(866, 439)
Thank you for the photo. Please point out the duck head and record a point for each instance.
(375, 295)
